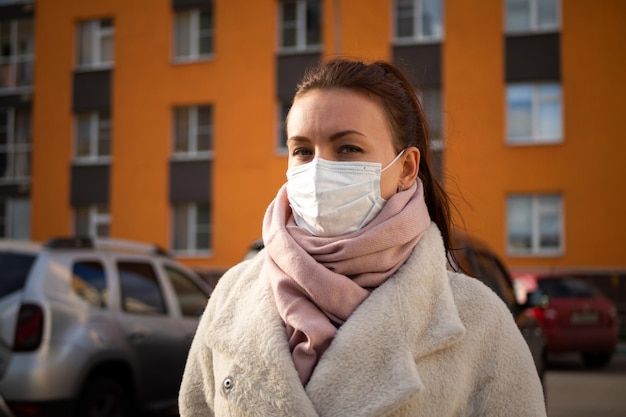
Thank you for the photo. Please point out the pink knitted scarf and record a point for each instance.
(319, 281)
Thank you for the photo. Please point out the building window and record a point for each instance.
(193, 31)
(431, 99)
(535, 224)
(17, 41)
(281, 134)
(532, 15)
(418, 20)
(193, 131)
(534, 113)
(92, 220)
(15, 145)
(192, 228)
(93, 136)
(95, 43)
(300, 25)
(15, 218)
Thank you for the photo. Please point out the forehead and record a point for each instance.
(335, 109)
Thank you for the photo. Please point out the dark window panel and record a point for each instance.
(17, 11)
(533, 57)
(421, 61)
(90, 184)
(290, 70)
(92, 90)
(190, 181)
(191, 4)
(16, 100)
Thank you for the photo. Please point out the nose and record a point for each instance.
(323, 152)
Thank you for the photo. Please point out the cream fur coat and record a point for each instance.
(427, 342)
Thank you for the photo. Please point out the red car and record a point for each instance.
(578, 318)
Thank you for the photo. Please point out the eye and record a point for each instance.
(301, 152)
(350, 149)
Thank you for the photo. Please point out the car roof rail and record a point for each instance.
(108, 244)
(69, 242)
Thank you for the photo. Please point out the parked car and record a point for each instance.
(579, 318)
(93, 327)
(475, 258)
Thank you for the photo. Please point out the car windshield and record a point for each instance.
(14, 268)
(568, 288)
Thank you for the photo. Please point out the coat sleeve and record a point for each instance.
(507, 382)
(197, 389)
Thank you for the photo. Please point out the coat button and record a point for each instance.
(228, 385)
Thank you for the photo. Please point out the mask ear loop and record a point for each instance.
(394, 160)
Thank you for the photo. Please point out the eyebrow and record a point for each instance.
(333, 137)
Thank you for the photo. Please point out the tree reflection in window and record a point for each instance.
(89, 282)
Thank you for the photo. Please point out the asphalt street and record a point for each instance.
(574, 391)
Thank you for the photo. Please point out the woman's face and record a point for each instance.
(342, 125)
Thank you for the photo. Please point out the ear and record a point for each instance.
(410, 167)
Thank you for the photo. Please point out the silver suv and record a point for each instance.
(93, 327)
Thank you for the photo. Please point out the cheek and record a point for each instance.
(388, 184)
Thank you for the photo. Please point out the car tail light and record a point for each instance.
(29, 328)
(545, 316)
(538, 313)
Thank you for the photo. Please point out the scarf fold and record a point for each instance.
(318, 282)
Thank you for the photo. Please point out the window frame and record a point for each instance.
(536, 137)
(418, 36)
(98, 34)
(533, 13)
(15, 59)
(536, 209)
(194, 129)
(95, 120)
(7, 218)
(194, 35)
(191, 244)
(95, 218)
(13, 148)
(300, 25)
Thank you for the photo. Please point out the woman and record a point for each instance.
(350, 310)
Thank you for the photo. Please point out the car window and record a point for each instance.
(568, 288)
(15, 268)
(191, 298)
(89, 282)
(141, 292)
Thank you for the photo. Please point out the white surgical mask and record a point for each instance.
(330, 198)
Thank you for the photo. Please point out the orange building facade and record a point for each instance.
(161, 120)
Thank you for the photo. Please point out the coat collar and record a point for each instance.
(374, 353)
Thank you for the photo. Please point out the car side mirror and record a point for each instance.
(537, 299)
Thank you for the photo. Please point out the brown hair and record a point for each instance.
(386, 84)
